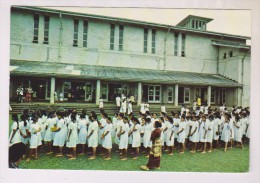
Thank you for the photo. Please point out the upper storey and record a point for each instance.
(195, 22)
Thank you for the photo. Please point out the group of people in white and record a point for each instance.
(66, 132)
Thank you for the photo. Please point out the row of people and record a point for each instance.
(70, 129)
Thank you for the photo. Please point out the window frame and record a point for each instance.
(183, 44)
(46, 29)
(154, 95)
(112, 37)
(170, 96)
(121, 38)
(184, 100)
(36, 22)
(176, 35)
(85, 33)
(76, 32)
(145, 49)
(153, 48)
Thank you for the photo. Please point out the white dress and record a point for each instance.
(103, 123)
(17, 136)
(142, 110)
(202, 130)
(123, 140)
(114, 126)
(148, 129)
(101, 104)
(217, 126)
(195, 136)
(107, 142)
(187, 130)
(146, 107)
(59, 138)
(210, 131)
(118, 101)
(130, 137)
(130, 108)
(163, 109)
(72, 141)
(34, 142)
(23, 130)
(162, 138)
(82, 127)
(136, 136)
(182, 135)
(176, 122)
(49, 135)
(225, 136)
(170, 128)
(93, 139)
(238, 132)
(123, 107)
(42, 123)
(120, 124)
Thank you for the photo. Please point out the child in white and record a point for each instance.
(93, 136)
(72, 137)
(148, 128)
(210, 123)
(142, 110)
(130, 108)
(15, 136)
(123, 138)
(82, 133)
(181, 133)
(169, 128)
(194, 136)
(107, 138)
(136, 143)
(226, 132)
(203, 133)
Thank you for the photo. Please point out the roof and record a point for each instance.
(229, 44)
(136, 22)
(62, 70)
(181, 23)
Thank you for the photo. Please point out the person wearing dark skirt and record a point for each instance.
(156, 150)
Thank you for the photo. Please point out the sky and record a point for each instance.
(237, 22)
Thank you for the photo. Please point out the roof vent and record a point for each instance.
(194, 22)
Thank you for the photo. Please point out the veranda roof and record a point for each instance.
(81, 71)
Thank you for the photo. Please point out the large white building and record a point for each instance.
(98, 56)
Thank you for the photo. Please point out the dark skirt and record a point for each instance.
(154, 162)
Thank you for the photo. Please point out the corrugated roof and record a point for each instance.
(48, 69)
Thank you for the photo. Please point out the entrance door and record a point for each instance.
(88, 92)
(78, 90)
(116, 89)
(66, 88)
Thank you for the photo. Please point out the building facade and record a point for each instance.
(90, 56)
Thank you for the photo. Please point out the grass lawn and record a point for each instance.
(234, 160)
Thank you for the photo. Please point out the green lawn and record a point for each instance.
(234, 160)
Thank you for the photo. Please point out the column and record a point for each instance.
(176, 91)
(52, 100)
(139, 97)
(209, 95)
(97, 92)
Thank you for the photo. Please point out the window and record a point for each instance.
(153, 40)
(183, 45)
(186, 95)
(193, 24)
(104, 91)
(154, 93)
(176, 34)
(112, 36)
(36, 28)
(225, 56)
(76, 32)
(121, 36)
(170, 94)
(145, 39)
(85, 33)
(223, 95)
(46, 29)
(212, 97)
(231, 54)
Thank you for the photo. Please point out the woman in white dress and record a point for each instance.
(123, 106)
(35, 131)
(182, 134)
(15, 136)
(107, 138)
(238, 131)
(82, 133)
(24, 130)
(49, 135)
(142, 110)
(162, 138)
(123, 138)
(203, 130)
(130, 108)
(194, 135)
(226, 132)
(93, 135)
(101, 103)
(146, 107)
(59, 137)
(136, 143)
(148, 129)
(169, 129)
(101, 124)
(72, 137)
(216, 128)
(210, 122)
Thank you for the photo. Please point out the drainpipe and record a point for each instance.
(164, 53)
(242, 75)
(60, 38)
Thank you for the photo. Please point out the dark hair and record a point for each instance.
(148, 120)
(136, 120)
(15, 119)
(23, 118)
(161, 118)
(82, 116)
(157, 124)
(170, 119)
(108, 118)
(73, 118)
(125, 118)
(16, 151)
